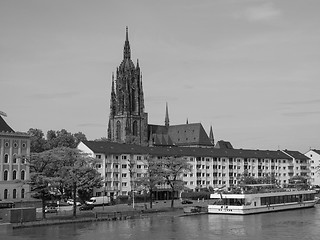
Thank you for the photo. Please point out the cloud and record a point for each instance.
(262, 13)
(303, 102)
(301, 114)
(55, 95)
(91, 125)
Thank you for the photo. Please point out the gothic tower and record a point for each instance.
(128, 123)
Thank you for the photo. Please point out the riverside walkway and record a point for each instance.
(107, 213)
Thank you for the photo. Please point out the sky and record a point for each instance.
(248, 68)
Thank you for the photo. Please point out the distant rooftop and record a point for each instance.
(121, 148)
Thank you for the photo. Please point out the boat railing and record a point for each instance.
(255, 190)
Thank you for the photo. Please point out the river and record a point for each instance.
(294, 225)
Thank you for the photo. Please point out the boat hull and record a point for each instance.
(244, 210)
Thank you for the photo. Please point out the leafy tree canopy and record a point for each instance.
(54, 139)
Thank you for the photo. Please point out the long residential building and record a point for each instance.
(211, 167)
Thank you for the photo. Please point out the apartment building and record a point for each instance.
(211, 167)
(314, 156)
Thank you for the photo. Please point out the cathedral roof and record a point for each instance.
(4, 127)
(189, 134)
(223, 145)
(192, 134)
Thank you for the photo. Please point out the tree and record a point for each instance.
(79, 137)
(62, 170)
(299, 181)
(37, 140)
(77, 173)
(103, 139)
(42, 179)
(172, 169)
(152, 177)
(54, 139)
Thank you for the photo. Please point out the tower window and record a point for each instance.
(135, 128)
(118, 133)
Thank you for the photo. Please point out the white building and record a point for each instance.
(314, 156)
(211, 167)
(14, 172)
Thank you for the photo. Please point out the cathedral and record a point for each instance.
(128, 121)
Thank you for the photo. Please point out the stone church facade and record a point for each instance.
(128, 121)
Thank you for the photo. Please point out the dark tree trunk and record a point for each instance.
(151, 198)
(74, 189)
(172, 197)
(43, 200)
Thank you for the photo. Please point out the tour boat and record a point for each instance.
(260, 198)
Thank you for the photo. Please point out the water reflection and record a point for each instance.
(293, 225)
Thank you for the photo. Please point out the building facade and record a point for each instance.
(128, 121)
(211, 167)
(14, 170)
(314, 156)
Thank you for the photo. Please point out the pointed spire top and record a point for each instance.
(126, 50)
(187, 122)
(127, 38)
(211, 137)
(137, 63)
(112, 87)
(166, 120)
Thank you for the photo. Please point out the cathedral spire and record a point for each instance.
(211, 137)
(126, 50)
(166, 120)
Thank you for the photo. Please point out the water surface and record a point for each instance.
(293, 225)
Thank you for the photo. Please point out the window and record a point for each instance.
(124, 166)
(124, 157)
(22, 193)
(98, 156)
(15, 145)
(14, 193)
(14, 175)
(98, 165)
(22, 175)
(5, 194)
(24, 145)
(6, 158)
(118, 131)
(135, 128)
(124, 184)
(139, 166)
(14, 159)
(5, 175)
(124, 175)
(6, 144)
